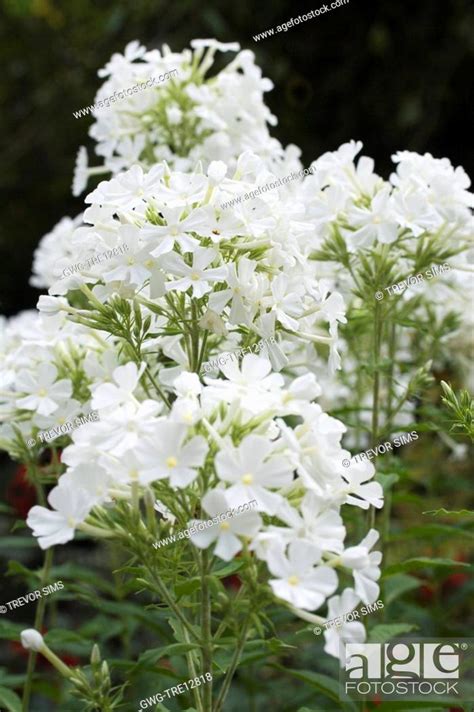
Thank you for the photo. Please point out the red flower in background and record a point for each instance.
(20, 494)
(426, 593)
(454, 581)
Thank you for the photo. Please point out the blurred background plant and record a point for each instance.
(394, 75)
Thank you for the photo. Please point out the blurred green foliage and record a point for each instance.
(393, 74)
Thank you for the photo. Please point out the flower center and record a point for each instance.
(149, 263)
(42, 392)
(293, 580)
(195, 276)
(71, 522)
(171, 461)
(224, 526)
(247, 479)
(131, 261)
(133, 474)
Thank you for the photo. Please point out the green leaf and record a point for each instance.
(10, 699)
(324, 684)
(431, 531)
(386, 631)
(187, 587)
(11, 631)
(397, 585)
(150, 657)
(18, 542)
(387, 480)
(229, 569)
(14, 568)
(424, 562)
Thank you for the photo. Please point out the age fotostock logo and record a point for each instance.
(409, 669)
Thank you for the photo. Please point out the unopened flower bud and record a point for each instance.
(105, 670)
(31, 639)
(95, 655)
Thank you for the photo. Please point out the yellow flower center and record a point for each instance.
(247, 479)
(171, 461)
(149, 263)
(131, 261)
(293, 580)
(42, 392)
(224, 526)
(133, 474)
(195, 276)
(174, 231)
(71, 522)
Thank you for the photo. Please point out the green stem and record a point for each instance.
(376, 383)
(195, 338)
(391, 354)
(376, 387)
(170, 602)
(38, 624)
(193, 674)
(206, 629)
(232, 667)
(160, 392)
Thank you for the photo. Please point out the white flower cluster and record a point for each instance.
(248, 264)
(424, 195)
(47, 367)
(190, 117)
(426, 199)
(232, 428)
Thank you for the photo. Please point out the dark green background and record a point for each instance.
(395, 74)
